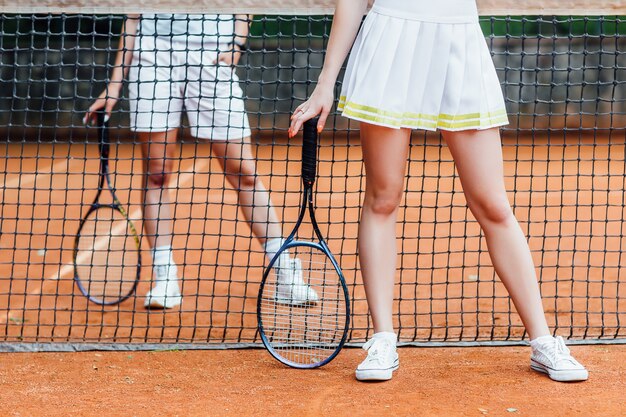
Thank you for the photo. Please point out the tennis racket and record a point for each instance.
(309, 329)
(107, 261)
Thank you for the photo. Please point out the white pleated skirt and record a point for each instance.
(409, 73)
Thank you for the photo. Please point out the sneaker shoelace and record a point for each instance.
(557, 351)
(162, 272)
(377, 350)
(163, 276)
(293, 272)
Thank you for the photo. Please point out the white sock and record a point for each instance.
(163, 256)
(541, 340)
(272, 246)
(391, 336)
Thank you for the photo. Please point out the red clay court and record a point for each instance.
(564, 79)
(446, 289)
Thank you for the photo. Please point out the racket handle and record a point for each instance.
(309, 151)
(103, 134)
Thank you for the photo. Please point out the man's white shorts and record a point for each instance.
(167, 78)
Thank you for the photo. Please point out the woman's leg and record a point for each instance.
(478, 158)
(239, 167)
(235, 157)
(158, 153)
(385, 153)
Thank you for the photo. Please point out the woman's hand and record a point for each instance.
(106, 101)
(123, 60)
(229, 58)
(346, 23)
(319, 103)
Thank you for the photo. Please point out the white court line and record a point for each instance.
(68, 268)
(23, 180)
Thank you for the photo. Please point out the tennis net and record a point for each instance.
(564, 79)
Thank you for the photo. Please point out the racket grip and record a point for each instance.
(309, 151)
(103, 134)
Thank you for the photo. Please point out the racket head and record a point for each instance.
(305, 335)
(107, 259)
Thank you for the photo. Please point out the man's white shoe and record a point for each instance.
(166, 293)
(551, 356)
(290, 287)
(381, 361)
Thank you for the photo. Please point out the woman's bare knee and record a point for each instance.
(158, 150)
(383, 202)
(242, 182)
(492, 211)
(158, 173)
(241, 174)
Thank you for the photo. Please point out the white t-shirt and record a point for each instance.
(437, 11)
(189, 28)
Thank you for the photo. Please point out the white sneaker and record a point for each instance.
(381, 361)
(166, 293)
(552, 357)
(291, 288)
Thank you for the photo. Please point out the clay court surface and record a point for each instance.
(431, 382)
(568, 197)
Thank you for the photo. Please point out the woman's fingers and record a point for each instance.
(319, 103)
(97, 105)
(236, 58)
(297, 111)
(322, 120)
(220, 58)
(227, 58)
(106, 104)
(296, 122)
(302, 117)
(108, 110)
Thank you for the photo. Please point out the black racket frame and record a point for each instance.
(104, 146)
(309, 173)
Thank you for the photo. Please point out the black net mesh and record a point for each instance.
(564, 80)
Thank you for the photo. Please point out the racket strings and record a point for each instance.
(107, 259)
(305, 333)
